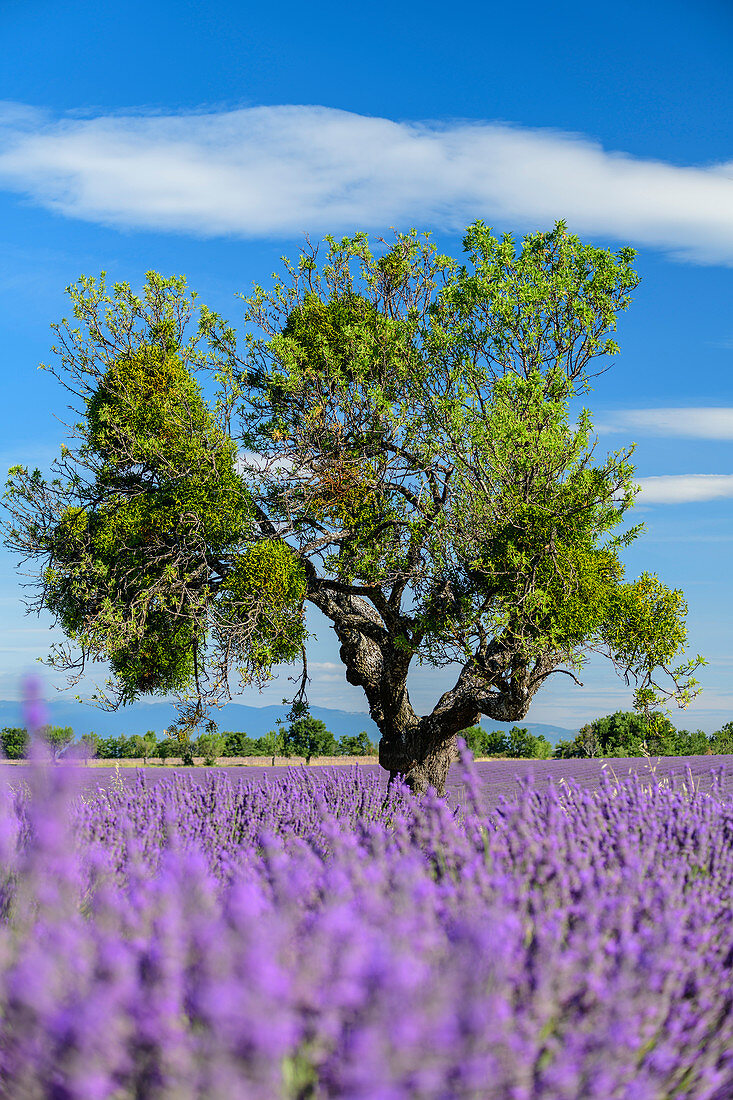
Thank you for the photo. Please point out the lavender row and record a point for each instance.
(318, 937)
(497, 778)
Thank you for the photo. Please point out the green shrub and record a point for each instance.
(15, 742)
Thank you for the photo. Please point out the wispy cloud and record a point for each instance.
(687, 423)
(684, 488)
(282, 170)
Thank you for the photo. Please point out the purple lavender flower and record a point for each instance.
(314, 937)
(34, 709)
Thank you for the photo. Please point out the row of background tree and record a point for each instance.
(624, 733)
(306, 737)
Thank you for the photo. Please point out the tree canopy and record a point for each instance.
(410, 462)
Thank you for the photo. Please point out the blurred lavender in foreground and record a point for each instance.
(35, 719)
(33, 706)
(316, 939)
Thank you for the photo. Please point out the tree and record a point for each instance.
(495, 743)
(721, 741)
(357, 745)
(237, 743)
(475, 738)
(136, 747)
(58, 738)
(691, 743)
(523, 745)
(166, 749)
(565, 750)
(627, 733)
(273, 744)
(517, 743)
(89, 744)
(211, 747)
(154, 550)
(150, 740)
(108, 748)
(412, 464)
(588, 742)
(308, 736)
(181, 744)
(14, 742)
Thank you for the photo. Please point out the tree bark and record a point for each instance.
(430, 769)
(420, 749)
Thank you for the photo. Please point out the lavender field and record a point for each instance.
(307, 934)
(495, 778)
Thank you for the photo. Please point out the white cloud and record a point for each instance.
(689, 423)
(684, 488)
(282, 170)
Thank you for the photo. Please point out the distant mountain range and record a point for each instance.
(254, 721)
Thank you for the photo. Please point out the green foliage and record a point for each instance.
(384, 376)
(153, 564)
(137, 746)
(150, 741)
(15, 742)
(58, 738)
(89, 745)
(495, 743)
(169, 477)
(210, 746)
(407, 426)
(510, 300)
(308, 737)
(475, 738)
(267, 585)
(123, 747)
(357, 745)
(721, 742)
(517, 743)
(628, 733)
(272, 744)
(146, 412)
(282, 743)
(108, 748)
(565, 750)
(691, 743)
(166, 749)
(522, 744)
(347, 338)
(178, 737)
(236, 743)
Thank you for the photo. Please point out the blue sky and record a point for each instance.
(204, 139)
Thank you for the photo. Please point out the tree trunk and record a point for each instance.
(430, 769)
(419, 749)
